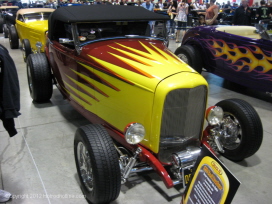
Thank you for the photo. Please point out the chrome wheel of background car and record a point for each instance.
(97, 164)
(190, 55)
(184, 58)
(232, 132)
(241, 131)
(85, 166)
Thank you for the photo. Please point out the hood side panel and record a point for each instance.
(139, 61)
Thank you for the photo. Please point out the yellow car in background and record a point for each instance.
(31, 27)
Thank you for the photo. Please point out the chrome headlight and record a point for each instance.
(214, 115)
(134, 133)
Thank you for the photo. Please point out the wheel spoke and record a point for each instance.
(232, 132)
(84, 162)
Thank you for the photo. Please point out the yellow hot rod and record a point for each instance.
(147, 107)
(31, 27)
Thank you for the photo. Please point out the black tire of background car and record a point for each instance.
(26, 48)
(104, 163)
(13, 38)
(1, 24)
(39, 77)
(193, 56)
(251, 125)
(5, 31)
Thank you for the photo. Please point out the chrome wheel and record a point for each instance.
(231, 135)
(241, 131)
(184, 58)
(85, 166)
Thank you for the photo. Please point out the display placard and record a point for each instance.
(211, 183)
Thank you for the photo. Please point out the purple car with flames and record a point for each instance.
(242, 54)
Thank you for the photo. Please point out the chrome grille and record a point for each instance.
(182, 120)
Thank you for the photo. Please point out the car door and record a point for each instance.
(230, 54)
(249, 62)
(258, 73)
(63, 63)
(72, 75)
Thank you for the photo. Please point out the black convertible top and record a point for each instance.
(96, 13)
(70, 14)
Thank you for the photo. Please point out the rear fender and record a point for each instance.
(193, 41)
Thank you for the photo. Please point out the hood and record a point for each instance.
(142, 62)
(38, 25)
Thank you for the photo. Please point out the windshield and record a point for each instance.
(264, 29)
(94, 31)
(36, 16)
(12, 10)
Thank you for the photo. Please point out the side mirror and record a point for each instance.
(65, 40)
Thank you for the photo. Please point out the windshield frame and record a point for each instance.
(36, 19)
(79, 44)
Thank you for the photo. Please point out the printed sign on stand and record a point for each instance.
(212, 182)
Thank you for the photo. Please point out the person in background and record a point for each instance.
(196, 5)
(202, 6)
(207, 5)
(182, 12)
(242, 15)
(227, 7)
(165, 5)
(263, 13)
(148, 5)
(235, 6)
(256, 5)
(114, 2)
(97, 2)
(139, 3)
(122, 3)
(160, 4)
(172, 12)
(212, 13)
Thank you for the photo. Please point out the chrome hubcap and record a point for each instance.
(85, 166)
(231, 136)
(184, 58)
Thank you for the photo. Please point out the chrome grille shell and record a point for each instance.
(182, 120)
